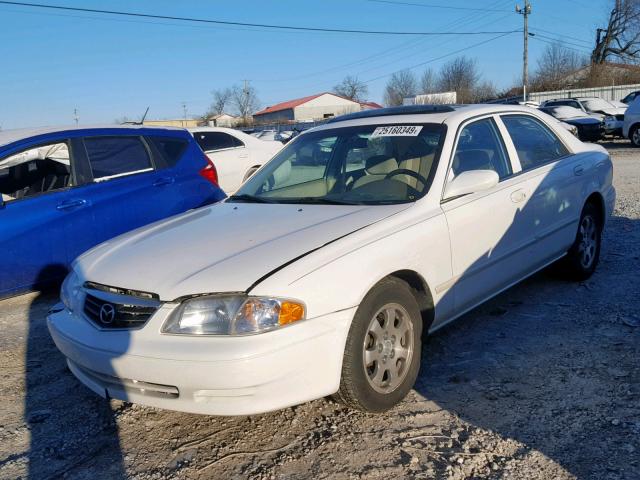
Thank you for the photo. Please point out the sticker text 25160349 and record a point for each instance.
(397, 131)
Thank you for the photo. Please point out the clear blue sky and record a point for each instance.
(110, 67)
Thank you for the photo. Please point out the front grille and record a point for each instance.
(620, 117)
(111, 311)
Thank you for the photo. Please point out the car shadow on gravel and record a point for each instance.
(70, 427)
(551, 365)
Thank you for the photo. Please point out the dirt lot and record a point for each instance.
(543, 382)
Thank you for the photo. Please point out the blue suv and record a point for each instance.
(64, 191)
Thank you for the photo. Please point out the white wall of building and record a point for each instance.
(323, 105)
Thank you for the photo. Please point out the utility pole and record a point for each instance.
(184, 110)
(525, 12)
(76, 118)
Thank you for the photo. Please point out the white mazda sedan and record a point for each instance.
(322, 274)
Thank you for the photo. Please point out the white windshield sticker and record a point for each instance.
(397, 131)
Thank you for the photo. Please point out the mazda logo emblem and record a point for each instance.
(107, 313)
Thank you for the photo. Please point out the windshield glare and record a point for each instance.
(371, 164)
(597, 104)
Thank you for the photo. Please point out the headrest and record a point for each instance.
(380, 164)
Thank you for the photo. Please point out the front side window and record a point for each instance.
(480, 147)
(369, 164)
(535, 143)
(211, 141)
(36, 170)
(116, 156)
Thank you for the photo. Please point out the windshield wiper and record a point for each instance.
(316, 201)
(248, 198)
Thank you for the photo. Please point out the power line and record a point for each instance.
(430, 5)
(242, 24)
(441, 57)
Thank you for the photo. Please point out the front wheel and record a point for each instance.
(382, 352)
(583, 256)
(634, 136)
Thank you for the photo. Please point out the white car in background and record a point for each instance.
(235, 154)
(320, 279)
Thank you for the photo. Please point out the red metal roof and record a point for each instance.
(288, 105)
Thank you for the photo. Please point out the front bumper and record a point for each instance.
(207, 375)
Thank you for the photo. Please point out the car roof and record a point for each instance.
(11, 136)
(424, 114)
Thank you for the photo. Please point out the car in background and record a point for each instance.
(235, 154)
(631, 129)
(321, 281)
(611, 116)
(65, 190)
(589, 129)
(630, 98)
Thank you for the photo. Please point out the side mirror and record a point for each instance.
(471, 181)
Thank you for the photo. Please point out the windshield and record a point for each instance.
(597, 104)
(369, 164)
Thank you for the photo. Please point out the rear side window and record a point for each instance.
(535, 143)
(116, 156)
(171, 149)
(209, 141)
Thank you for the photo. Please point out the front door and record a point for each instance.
(491, 232)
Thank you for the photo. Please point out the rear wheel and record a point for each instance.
(583, 256)
(382, 353)
(249, 173)
(634, 136)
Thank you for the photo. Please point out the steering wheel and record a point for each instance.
(406, 171)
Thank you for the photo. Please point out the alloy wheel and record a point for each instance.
(388, 348)
(588, 241)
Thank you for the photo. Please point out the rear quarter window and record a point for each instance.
(169, 149)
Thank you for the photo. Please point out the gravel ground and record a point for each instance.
(543, 382)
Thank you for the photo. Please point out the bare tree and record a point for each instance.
(554, 67)
(621, 38)
(483, 92)
(352, 88)
(401, 85)
(428, 81)
(244, 100)
(221, 98)
(460, 75)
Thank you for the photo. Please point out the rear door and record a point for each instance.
(126, 191)
(557, 177)
(229, 155)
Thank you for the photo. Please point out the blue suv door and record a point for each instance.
(39, 201)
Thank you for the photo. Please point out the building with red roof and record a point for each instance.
(312, 108)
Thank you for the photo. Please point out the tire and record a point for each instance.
(634, 135)
(249, 173)
(583, 256)
(392, 347)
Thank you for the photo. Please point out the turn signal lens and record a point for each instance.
(290, 312)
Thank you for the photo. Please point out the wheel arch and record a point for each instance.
(421, 292)
(597, 200)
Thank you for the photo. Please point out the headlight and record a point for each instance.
(71, 292)
(609, 118)
(232, 315)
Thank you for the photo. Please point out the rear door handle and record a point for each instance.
(69, 204)
(578, 170)
(518, 196)
(163, 181)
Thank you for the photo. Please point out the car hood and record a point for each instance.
(227, 247)
(582, 121)
(613, 111)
